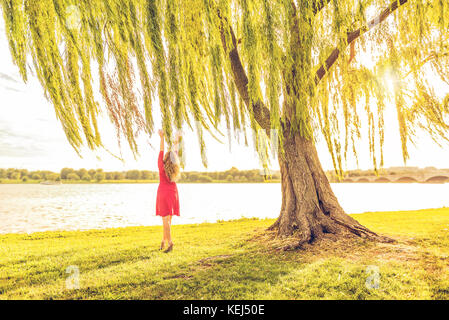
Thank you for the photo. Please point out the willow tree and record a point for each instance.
(289, 71)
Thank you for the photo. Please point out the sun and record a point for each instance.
(390, 81)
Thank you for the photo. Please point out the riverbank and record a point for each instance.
(231, 260)
(127, 181)
(9, 181)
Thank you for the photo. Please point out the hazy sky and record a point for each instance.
(32, 138)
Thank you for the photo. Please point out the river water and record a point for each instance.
(26, 208)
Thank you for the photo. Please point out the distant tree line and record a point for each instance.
(25, 175)
(231, 175)
(391, 171)
(99, 175)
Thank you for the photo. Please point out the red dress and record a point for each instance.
(167, 201)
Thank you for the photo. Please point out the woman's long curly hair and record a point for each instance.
(171, 166)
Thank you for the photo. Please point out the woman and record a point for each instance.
(167, 202)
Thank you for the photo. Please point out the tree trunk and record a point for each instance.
(310, 210)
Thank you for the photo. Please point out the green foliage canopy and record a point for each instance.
(175, 56)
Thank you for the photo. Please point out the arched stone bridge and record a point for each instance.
(437, 177)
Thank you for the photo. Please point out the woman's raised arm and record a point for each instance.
(161, 134)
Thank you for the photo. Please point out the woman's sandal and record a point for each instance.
(170, 248)
(162, 245)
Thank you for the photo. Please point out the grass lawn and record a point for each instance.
(231, 260)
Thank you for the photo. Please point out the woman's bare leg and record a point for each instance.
(167, 231)
(164, 231)
(169, 240)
